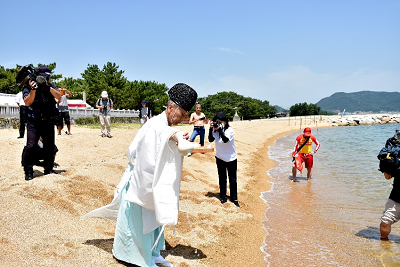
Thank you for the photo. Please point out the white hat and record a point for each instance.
(104, 94)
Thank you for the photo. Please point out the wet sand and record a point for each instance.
(40, 223)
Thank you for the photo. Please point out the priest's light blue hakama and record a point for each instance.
(130, 244)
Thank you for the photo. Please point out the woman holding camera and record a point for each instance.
(226, 156)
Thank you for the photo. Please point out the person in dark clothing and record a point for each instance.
(42, 115)
(392, 206)
(226, 156)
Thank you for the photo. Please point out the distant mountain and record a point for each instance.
(279, 109)
(363, 101)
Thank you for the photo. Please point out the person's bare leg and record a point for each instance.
(59, 129)
(385, 230)
(294, 171)
(308, 174)
(69, 128)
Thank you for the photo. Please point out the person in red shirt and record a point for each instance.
(303, 152)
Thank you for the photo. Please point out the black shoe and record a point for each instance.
(236, 203)
(223, 200)
(109, 135)
(46, 172)
(28, 176)
(20, 137)
(103, 135)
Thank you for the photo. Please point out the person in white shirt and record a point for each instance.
(22, 114)
(62, 105)
(226, 156)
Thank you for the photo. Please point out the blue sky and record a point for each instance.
(285, 52)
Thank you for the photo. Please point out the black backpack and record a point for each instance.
(389, 155)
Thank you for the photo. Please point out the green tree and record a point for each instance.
(304, 109)
(7, 80)
(223, 101)
(75, 86)
(248, 108)
(93, 83)
(108, 79)
(154, 93)
(115, 83)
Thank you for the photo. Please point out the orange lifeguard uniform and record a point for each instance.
(304, 154)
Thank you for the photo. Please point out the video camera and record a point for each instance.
(216, 124)
(27, 73)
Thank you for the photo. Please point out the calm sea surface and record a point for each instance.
(334, 219)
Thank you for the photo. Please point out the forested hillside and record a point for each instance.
(363, 101)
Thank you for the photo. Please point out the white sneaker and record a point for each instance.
(189, 154)
(162, 261)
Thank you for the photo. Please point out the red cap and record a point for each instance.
(307, 132)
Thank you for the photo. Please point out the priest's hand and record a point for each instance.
(184, 146)
(185, 135)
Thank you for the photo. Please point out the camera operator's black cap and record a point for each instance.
(183, 95)
(44, 71)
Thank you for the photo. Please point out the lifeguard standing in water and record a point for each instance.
(303, 152)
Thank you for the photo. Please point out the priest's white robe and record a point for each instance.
(154, 175)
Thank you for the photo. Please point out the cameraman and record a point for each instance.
(226, 156)
(42, 114)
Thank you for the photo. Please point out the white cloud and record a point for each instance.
(228, 50)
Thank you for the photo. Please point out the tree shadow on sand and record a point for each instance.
(374, 233)
(187, 252)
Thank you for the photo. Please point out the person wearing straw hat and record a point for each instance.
(147, 197)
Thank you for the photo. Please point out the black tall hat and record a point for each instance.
(183, 95)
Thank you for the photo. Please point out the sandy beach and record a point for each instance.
(40, 222)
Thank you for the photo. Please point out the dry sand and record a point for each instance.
(40, 219)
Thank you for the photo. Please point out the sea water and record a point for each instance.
(333, 220)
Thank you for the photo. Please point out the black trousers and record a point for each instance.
(230, 168)
(35, 130)
(22, 120)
